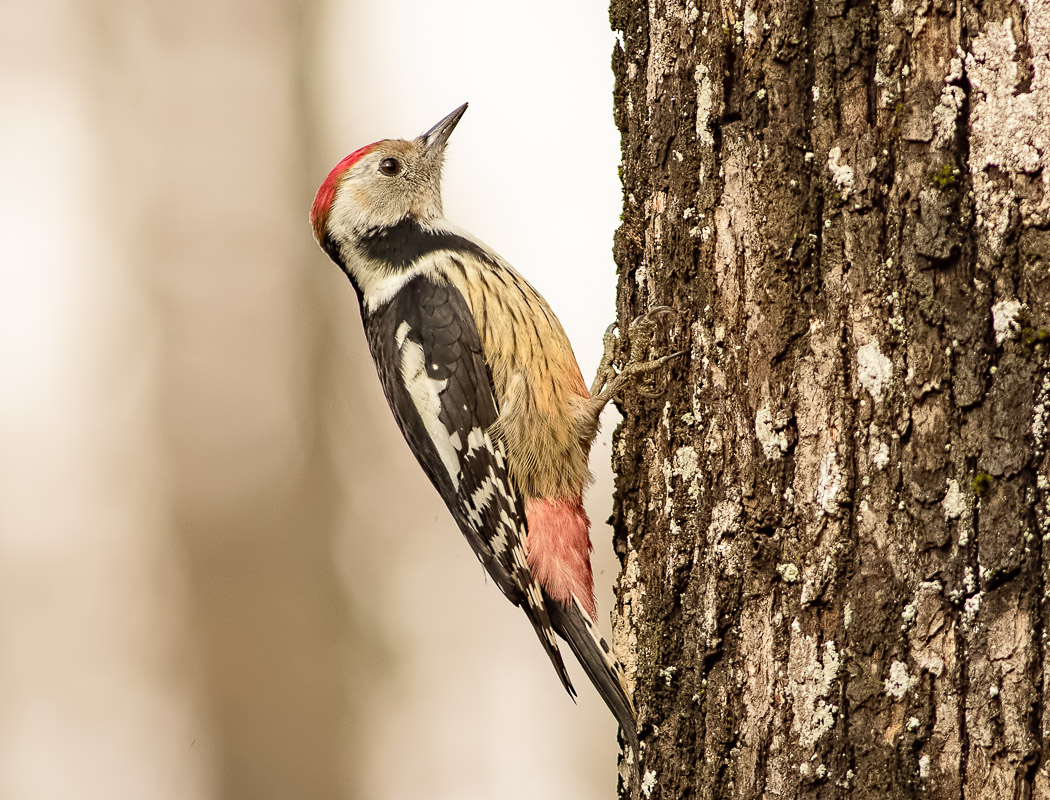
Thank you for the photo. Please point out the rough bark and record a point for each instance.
(833, 523)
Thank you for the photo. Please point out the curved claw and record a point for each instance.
(652, 315)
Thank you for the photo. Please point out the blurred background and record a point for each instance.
(222, 574)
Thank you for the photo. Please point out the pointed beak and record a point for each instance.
(434, 139)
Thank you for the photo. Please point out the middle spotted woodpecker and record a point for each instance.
(484, 385)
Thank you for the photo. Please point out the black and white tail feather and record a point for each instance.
(575, 626)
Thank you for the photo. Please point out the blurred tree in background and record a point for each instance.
(222, 574)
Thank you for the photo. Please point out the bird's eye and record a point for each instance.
(390, 166)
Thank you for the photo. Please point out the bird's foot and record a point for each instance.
(608, 383)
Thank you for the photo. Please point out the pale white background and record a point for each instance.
(221, 573)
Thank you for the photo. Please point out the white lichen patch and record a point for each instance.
(899, 682)
(841, 174)
(829, 484)
(774, 442)
(810, 681)
(908, 614)
(955, 502)
(1008, 131)
(687, 466)
(874, 370)
(1041, 420)
(704, 105)
(1004, 319)
(946, 115)
(881, 457)
(624, 636)
(648, 783)
(882, 80)
(788, 573)
(750, 24)
(641, 277)
(686, 463)
(971, 608)
(924, 766)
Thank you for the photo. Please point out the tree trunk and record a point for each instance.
(832, 524)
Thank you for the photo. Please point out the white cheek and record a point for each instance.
(358, 208)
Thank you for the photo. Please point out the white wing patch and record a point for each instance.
(426, 397)
(401, 333)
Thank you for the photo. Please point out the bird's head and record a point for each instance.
(382, 184)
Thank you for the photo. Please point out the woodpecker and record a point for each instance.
(483, 383)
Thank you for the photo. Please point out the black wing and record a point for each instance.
(428, 354)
